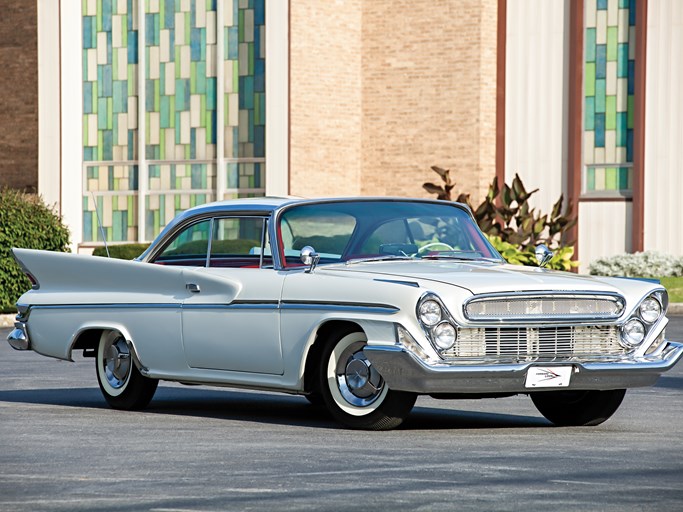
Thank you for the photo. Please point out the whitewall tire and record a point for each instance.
(353, 390)
(121, 383)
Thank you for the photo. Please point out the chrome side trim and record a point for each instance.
(235, 305)
(356, 307)
(142, 305)
(403, 371)
(395, 281)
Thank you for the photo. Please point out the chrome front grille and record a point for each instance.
(543, 307)
(563, 342)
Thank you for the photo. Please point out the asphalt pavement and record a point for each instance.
(213, 449)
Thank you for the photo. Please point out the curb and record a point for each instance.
(7, 320)
(675, 308)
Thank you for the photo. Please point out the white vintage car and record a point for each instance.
(361, 305)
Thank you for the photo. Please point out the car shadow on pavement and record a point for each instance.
(265, 408)
(670, 382)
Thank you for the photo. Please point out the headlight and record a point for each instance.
(650, 310)
(430, 312)
(632, 333)
(444, 335)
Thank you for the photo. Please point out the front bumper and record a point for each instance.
(18, 338)
(403, 371)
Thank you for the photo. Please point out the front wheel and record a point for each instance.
(121, 383)
(354, 392)
(578, 408)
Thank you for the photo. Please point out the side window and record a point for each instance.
(189, 247)
(238, 241)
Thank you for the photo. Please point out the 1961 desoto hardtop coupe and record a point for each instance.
(358, 304)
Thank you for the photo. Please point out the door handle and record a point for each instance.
(194, 288)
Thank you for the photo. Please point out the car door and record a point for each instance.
(230, 313)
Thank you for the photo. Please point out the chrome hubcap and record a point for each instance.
(117, 362)
(358, 381)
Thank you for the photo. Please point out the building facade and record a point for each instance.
(148, 107)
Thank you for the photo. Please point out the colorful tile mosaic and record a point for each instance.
(180, 79)
(608, 94)
(180, 110)
(245, 78)
(174, 188)
(110, 57)
(246, 176)
(113, 190)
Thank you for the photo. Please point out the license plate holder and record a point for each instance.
(548, 377)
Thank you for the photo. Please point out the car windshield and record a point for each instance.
(381, 230)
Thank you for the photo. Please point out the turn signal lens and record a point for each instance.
(430, 312)
(632, 333)
(650, 310)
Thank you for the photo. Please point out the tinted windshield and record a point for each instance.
(364, 230)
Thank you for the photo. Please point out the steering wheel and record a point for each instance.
(428, 246)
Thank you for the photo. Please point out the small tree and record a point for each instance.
(511, 224)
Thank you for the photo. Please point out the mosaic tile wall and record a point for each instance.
(180, 79)
(245, 78)
(608, 94)
(113, 188)
(110, 41)
(174, 188)
(180, 110)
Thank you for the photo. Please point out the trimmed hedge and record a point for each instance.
(26, 222)
(122, 251)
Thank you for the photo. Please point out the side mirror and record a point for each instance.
(543, 255)
(309, 257)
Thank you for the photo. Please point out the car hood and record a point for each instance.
(480, 277)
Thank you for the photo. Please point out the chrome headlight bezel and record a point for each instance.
(633, 333)
(430, 312)
(445, 321)
(645, 316)
(445, 335)
(640, 320)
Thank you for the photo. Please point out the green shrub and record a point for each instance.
(122, 251)
(641, 264)
(561, 260)
(25, 222)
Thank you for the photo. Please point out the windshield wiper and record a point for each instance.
(388, 257)
(457, 257)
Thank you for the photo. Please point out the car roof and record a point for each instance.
(267, 205)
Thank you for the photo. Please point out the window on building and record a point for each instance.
(609, 97)
(173, 110)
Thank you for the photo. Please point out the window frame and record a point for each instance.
(171, 237)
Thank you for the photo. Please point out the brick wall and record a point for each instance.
(325, 97)
(19, 95)
(383, 89)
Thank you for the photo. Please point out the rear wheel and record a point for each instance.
(354, 392)
(121, 383)
(578, 408)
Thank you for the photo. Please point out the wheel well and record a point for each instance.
(321, 337)
(88, 341)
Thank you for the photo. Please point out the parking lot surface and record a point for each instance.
(211, 449)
